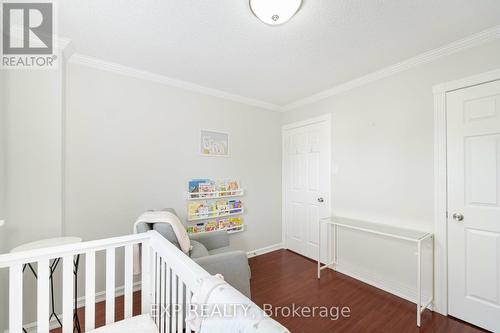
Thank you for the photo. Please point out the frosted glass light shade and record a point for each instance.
(275, 12)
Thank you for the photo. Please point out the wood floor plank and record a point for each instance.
(283, 278)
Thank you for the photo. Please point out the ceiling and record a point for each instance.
(221, 45)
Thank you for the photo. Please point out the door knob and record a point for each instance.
(458, 217)
(321, 200)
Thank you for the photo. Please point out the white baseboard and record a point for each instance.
(265, 250)
(99, 297)
(372, 278)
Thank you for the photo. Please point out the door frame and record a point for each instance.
(324, 118)
(440, 182)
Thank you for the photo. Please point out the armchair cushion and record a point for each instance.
(220, 250)
(232, 265)
(212, 240)
(197, 250)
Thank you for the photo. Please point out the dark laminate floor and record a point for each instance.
(283, 278)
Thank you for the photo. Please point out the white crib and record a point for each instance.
(168, 276)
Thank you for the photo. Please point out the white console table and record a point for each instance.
(414, 236)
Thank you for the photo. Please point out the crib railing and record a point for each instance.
(168, 277)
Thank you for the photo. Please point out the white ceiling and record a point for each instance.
(221, 45)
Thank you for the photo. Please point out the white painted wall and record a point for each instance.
(33, 155)
(132, 145)
(3, 238)
(2, 161)
(382, 142)
(32, 133)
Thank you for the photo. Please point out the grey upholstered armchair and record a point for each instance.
(212, 252)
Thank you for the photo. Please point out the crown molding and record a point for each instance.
(470, 81)
(80, 59)
(427, 57)
(61, 43)
(454, 47)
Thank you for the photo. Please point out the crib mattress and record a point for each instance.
(138, 324)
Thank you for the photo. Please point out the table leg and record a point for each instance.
(319, 250)
(433, 272)
(336, 245)
(76, 320)
(31, 269)
(329, 244)
(419, 282)
(53, 268)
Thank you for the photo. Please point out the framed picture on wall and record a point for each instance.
(213, 143)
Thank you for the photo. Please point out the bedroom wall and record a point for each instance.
(32, 132)
(33, 155)
(132, 145)
(382, 155)
(2, 161)
(3, 238)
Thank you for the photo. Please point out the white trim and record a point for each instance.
(83, 60)
(430, 56)
(99, 297)
(61, 43)
(470, 81)
(440, 206)
(326, 118)
(440, 181)
(264, 250)
(283, 189)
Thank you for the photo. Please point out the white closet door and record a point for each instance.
(307, 185)
(473, 204)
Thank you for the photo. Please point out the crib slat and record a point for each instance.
(145, 278)
(168, 301)
(67, 303)
(43, 296)
(89, 291)
(189, 294)
(129, 262)
(16, 299)
(163, 287)
(159, 289)
(154, 283)
(181, 315)
(175, 288)
(110, 286)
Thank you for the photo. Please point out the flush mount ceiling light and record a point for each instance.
(275, 12)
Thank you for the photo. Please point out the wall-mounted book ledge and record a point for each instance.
(210, 207)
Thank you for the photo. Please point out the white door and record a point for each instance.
(307, 184)
(474, 204)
